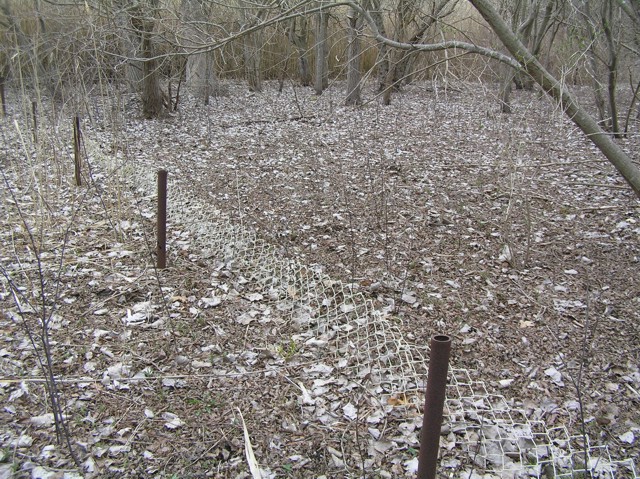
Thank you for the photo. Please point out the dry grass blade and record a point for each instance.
(248, 451)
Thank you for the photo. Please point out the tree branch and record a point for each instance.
(564, 98)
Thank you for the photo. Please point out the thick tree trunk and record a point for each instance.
(202, 81)
(201, 78)
(321, 48)
(354, 75)
(142, 21)
(152, 97)
(557, 90)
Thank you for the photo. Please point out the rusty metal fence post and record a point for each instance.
(433, 407)
(2, 97)
(162, 220)
(76, 150)
(34, 114)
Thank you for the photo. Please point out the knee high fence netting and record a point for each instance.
(484, 434)
(356, 348)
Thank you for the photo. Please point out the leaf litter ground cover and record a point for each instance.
(508, 232)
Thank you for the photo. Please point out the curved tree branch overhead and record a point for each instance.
(523, 59)
(561, 95)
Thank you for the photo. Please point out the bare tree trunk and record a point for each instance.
(252, 14)
(153, 99)
(354, 75)
(593, 67)
(133, 68)
(508, 75)
(322, 52)
(299, 37)
(389, 83)
(202, 81)
(201, 78)
(382, 61)
(531, 24)
(405, 60)
(251, 50)
(612, 66)
(559, 92)
(506, 86)
(130, 47)
(405, 12)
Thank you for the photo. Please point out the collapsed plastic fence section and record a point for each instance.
(324, 312)
(500, 440)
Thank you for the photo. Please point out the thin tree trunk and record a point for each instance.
(251, 48)
(405, 60)
(612, 67)
(592, 62)
(556, 89)
(299, 40)
(354, 75)
(321, 47)
(382, 60)
(133, 68)
(506, 88)
(389, 84)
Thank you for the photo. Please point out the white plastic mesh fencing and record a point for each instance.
(498, 439)
(502, 439)
(324, 310)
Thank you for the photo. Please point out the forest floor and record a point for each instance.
(510, 233)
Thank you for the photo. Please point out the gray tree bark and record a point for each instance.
(143, 23)
(322, 51)
(252, 45)
(298, 34)
(593, 65)
(373, 7)
(251, 50)
(201, 78)
(438, 10)
(612, 66)
(354, 75)
(531, 21)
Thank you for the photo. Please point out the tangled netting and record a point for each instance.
(501, 438)
(497, 437)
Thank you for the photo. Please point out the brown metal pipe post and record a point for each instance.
(433, 406)
(162, 219)
(76, 150)
(2, 97)
(34, 114)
